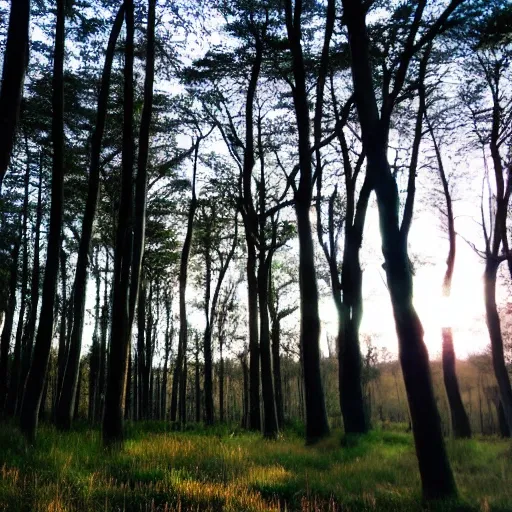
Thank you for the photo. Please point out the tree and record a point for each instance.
(37, 375)
(316, 414)
(460, 421)
(436, 475)
(120, 341)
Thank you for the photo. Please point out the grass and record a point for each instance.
(234, 471)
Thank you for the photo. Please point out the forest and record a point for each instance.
(254, 255)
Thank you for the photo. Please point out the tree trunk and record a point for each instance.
(12, 395)
(502, 422)
(141, 182)
(245, 372)
(62, 355)
(37, 374)
(128, 394)
(317, 425)
(94, 361)
(349, 354)
(207, 339)
(30, 329)
(221, 380)
(5, 341)
(254, 349)
(436, 475)
(103, 345)
(65, 408)
(183, 392)
(13, 76)
(141, 351)
(460, 421)
(494, 327)
(198, 383)
(270, 426)
(183, 335)
(120, 341)
(276, 366)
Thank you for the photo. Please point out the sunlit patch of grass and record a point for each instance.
(223, 469)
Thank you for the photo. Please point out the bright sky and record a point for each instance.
(465, 309)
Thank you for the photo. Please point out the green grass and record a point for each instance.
(233, 471)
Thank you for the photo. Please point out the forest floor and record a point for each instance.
(235, 471)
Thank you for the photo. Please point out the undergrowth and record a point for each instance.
(230, 470)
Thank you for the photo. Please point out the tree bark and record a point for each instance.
(12, 394)
(141, 182)
(27, 342)
(121, 329)
(65, 408)
(62, 355)
(13, 76)
(317, 425)
(197, 383)
(36, 378)
(103, 345)
(5, 341)
(183, 334)
(94, 361)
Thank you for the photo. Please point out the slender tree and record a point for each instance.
(317, 425)
(120, 331)
(436, 475)
(37, 375)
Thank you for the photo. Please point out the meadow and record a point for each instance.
(230, 470)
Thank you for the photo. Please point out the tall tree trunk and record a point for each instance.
(245, 373)
(65, 408)
(30, 329)
(94, 364)
(62, 355)
(436, 475)
(37, 374)
(183, 334)
(168, 343)
(76, 410)
(198, 383)
(13, 76)
(460, 421)
(141, 351)
(254, 348)
(276, 366)
(317, 425)
(250, 220)
(270, 426)
(5, 341)
(121, 329)
(103, 344)
(207, 338)
(12, 395)
(183, 392)
(141, 182)
(128, 394)
(221, 380)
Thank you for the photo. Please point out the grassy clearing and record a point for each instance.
(231, 471)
